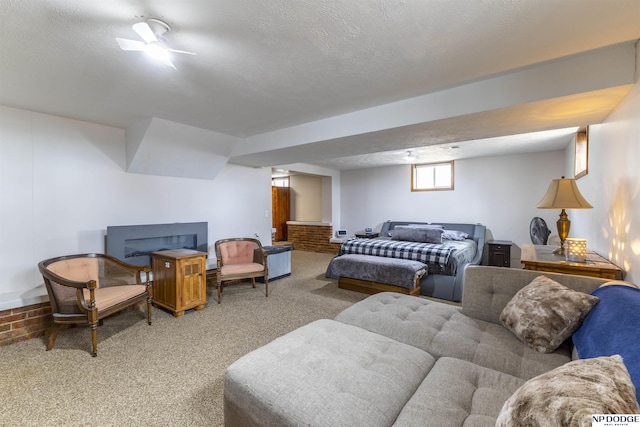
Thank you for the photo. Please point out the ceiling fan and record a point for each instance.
(154, 44)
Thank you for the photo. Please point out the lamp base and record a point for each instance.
(563, 224)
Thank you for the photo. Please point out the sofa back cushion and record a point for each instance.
(487, 290)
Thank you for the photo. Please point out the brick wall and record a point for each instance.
(23, 323)
(312, 238)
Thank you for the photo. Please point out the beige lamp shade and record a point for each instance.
(563, 194)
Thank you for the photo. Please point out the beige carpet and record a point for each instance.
(166, 374)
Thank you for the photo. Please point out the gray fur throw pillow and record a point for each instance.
(570, 394)
(545, 313)
(417, 234)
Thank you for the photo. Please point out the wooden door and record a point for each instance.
(193, 282)
(281, 211)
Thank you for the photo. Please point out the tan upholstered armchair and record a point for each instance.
(84, 289)
(241, 258)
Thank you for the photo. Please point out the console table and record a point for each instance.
(542, 258)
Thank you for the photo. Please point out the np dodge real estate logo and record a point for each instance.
(609, 420)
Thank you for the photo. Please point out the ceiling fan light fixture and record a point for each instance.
(157, 50)
(410, 156)
(153, 44)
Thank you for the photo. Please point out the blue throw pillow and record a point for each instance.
(613, 327)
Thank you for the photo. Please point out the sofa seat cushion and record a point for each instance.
(458, 393)
(443, 331)
(326, 373)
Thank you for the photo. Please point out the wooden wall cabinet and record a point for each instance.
(179, 280)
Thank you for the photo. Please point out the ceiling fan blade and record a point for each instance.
(168, 62)
(181, 51)
(145, 32)
(126, 44)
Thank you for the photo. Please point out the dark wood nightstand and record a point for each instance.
(500, 253)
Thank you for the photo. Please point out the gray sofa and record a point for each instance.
(397, 360)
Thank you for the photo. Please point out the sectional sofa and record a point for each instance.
(400, 360)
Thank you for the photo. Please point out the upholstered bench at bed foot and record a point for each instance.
(326, 373)
(373, 274)
(457, 393)
(442, 330)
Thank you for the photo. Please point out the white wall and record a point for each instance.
(62, 182)
(306, 197)
(612, 186)
(330, 189)
(500, 192)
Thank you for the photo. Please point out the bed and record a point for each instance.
(462, 245)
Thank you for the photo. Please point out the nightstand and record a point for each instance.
(499, 253)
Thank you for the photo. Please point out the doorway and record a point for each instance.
(281, 211)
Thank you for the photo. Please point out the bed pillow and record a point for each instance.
(571, 393)
(416, 234)
(454, 235)
(545, 313)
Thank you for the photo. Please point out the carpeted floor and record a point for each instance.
(166, 374)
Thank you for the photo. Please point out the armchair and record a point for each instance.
(240, 258)
(84, 289)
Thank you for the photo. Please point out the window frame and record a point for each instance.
(281, 178)
(415, 166)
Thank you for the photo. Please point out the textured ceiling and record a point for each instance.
(263, 66)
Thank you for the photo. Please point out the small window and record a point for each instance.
(280, 182)
(432, 176)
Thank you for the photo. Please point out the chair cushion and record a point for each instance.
(442, 330)
(108, 297)
(250, 267)
(236, 252)
(77, 269)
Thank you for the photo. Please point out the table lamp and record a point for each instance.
(563, 194)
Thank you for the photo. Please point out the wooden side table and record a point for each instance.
(542, 258)
(179, 280)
